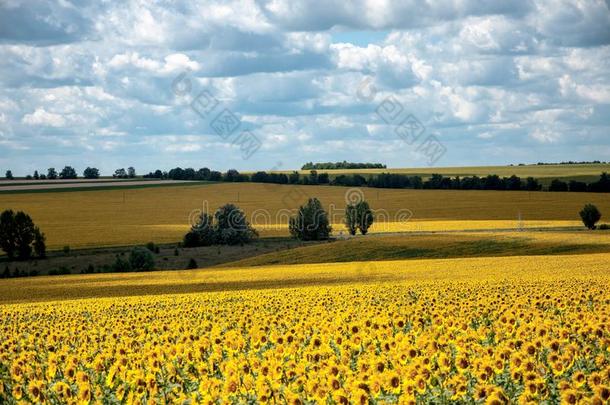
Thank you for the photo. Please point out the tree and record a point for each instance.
(141, 259)
(131, 172)
(590, 216)
(558, 185)
(51, 173)
(365, 216)
(120, 173)
(91, 173)
(202, 233)
(9, 175)
(17, 235)
(311, 222)
(8, 233)
(25, 235)
(68, 172)
(40, 248)
(36, 175)
(351, 219)
(232, 227)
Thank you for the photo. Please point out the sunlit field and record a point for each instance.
(493, 330)
(163, 214)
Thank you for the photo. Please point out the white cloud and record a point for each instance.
(42, 117)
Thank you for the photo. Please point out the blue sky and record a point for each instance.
(93, 83)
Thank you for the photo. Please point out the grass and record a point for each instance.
(436, 246)
(114, 217)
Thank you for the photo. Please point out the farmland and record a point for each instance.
(475, 296)
(509, 329)
(581, 172)
(163, 214)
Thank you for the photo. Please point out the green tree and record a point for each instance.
(141, 259)
(51, 173)
(9, 175)
(590, 216)
(68, 172)
(351, 219)
(202, 233)
(131, 172)
(311, 222)
(232, 227)
(365, 216)
(8, 233)
(91, 173)
(25, 235)
(40, 247)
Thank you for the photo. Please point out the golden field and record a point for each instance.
(585, 171)
(161, 214)
(487, 330)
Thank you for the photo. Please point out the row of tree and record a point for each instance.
(388, 180)
(69, 172)
(341, 165)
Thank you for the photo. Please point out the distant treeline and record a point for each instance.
(388, 180)
(341, 165)
(595, 162)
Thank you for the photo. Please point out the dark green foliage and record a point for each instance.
(40, 248)
(151, 246)
(141, 259)
(66, 250)
(341, 165)
(91, 173)
(192, 264)
(351, 219)
(120, 265)
(231, 226)
(590, 216)
(365, 216)
(9, 175)
(17, 235)
(202, 233)
(311, 222)
(68, 172)
(558, 185)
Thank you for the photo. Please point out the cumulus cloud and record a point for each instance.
(496, 82)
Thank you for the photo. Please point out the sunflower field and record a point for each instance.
(524, 338)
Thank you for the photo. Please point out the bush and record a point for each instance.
(590, 216)
(120, 265)
(141, 259)
(202, 233)
(604, 227)
(311, 222)
(66, 250)
(40, 248)
(151, 246)
(192, 264)
(231, 226)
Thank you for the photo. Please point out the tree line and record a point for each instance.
(341, 165)
(389, 180)
(68, 172)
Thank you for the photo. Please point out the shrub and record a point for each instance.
(202, 233)
(150, 246)
(604, 227)
(66, 250)
(120, 265)
(192, 264)
(311, 222)
(231, 226)
(141, 259)
(590, 216)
